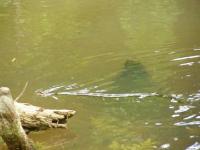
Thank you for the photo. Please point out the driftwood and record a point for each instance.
(15, 116)
(38, 118)
(11, 130)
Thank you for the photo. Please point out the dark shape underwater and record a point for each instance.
(133, 78)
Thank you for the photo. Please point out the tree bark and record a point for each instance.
(11, 129)
(14, 117)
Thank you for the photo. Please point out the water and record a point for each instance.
(129, 68)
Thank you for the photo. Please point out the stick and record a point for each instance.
(22, 92)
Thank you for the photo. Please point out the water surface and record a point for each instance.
(130, 68)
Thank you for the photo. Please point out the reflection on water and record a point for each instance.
(129, 68)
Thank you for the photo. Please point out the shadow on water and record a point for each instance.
(132, 78)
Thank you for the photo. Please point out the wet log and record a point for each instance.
(14, 117)
(38, 118)
(11, 129)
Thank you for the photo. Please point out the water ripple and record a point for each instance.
(187, 64)
(183, 109)
(195, 146)
(187, 57)
(187, 123)
(86, 92)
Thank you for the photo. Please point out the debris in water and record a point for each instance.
(13, 60)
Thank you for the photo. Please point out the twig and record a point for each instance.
(22, 92)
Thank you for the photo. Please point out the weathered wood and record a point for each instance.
(38, 118)
(15, 116)
(11, 129)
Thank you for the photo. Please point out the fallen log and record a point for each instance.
(38, 118)
(15, 116)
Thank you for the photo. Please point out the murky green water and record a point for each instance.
(102, 53)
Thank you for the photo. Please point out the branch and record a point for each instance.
(22, 92)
